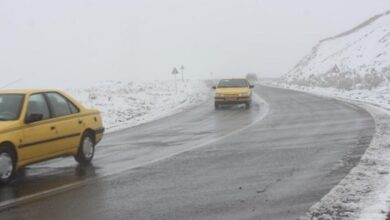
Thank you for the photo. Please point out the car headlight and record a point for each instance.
(245, 94)
(219, 95)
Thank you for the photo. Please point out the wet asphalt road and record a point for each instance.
(204, 164)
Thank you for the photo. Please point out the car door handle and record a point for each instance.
(80, 122)
(52, 128)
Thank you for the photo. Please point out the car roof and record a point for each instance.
(26, 91)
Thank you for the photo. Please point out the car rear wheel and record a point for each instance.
(7, 164)
(247, 105)
(216, 105)
(86, 149)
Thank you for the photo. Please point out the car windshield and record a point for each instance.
(10, 106)
(225, 83)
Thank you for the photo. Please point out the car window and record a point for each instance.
(73, 108)
(60, 105)
(37, 105)
(10, 106)
(226, 83)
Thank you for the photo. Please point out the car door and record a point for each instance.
(38, 137)
(68, 122)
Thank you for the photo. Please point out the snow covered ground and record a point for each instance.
(126, 104)
(364, 194)
(356, 59)
(379, 96)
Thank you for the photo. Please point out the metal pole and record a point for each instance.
(182, 73)
(175, 83)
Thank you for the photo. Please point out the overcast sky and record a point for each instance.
(64, 42)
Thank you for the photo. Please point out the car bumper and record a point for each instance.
(99, 134)
(232, 100)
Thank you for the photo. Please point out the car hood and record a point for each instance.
(6, 125)
(233, 90)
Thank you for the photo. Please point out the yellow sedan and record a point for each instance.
(37, 125)
(233, 91)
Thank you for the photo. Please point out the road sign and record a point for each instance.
(174, 71)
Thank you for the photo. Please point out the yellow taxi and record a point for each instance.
(233, 91)
(37, 125)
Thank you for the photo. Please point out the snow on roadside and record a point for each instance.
(378, 97)
(364, 193)
(127, 104)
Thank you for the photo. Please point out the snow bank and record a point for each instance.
(126, 104)
(379, 96)
(364, 193)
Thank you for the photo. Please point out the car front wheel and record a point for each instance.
(7, 164)
(86, 149)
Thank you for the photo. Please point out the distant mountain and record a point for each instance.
(356, 59)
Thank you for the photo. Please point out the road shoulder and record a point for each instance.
(364, 193)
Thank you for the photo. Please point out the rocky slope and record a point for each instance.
(356, 59)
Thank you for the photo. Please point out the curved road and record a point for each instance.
(273, 161)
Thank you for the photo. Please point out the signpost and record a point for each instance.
(175, 72)
(182, 73)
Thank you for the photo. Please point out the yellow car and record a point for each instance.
(233, 91)
(37, 125)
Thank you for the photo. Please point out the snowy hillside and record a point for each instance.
(125, 104)
(356, 59)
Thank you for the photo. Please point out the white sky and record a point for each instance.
(65, 42)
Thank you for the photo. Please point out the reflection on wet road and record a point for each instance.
(34, 180)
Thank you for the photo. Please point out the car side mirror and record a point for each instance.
(251, 86)
(33, 118)
(214, 87)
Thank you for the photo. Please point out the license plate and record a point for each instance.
(231, 99)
